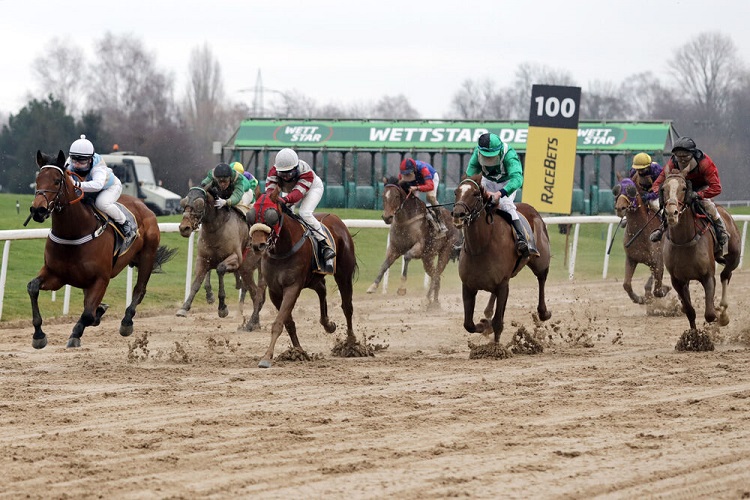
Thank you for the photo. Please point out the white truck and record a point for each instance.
(137, 177)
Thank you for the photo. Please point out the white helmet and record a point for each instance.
(82, 148)
(286, 160)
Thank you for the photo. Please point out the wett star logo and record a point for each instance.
(307, 133)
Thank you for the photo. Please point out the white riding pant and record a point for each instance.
(307, 205)
(246, 202)
(432, 195)
(105, 201)
(506, 203)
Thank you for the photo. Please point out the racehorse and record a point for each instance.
(489, 258)
(689, 249)
(223, 245)
(639, 249)
(84, 250)
(288, 266)
(412, 236)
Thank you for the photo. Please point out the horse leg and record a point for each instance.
(390, 258)
(43, 281)
(209, 290)
(201, 270)
(502, 301)
(259, 298)
(627, 282)
(490, 308)
(284, 302)
(660, 289)
(320, 288)
(145, 269)
(726, 276)
(345, 281)
(541, 307)
(709, 289)
(683, 291)
(223, 309)
(92, 297)
(469, 299)
(428, 261)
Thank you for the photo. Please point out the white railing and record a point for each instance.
(173, 227)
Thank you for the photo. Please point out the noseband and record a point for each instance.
(59, 200)
(195, 216)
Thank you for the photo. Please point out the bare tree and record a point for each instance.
(61, 72)
(604, 101)
(477, 100)
(518, 96)
(644, 93)
(394, 108)
(707, 69)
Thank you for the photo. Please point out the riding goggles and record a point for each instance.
(79, 158)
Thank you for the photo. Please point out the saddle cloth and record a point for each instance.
(121, 244)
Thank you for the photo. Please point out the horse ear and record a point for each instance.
(616, 190)
(39, 158)
(619, 176)
(184, 202)
(60, 159)
(199, 204)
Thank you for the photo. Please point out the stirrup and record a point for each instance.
(523, 248)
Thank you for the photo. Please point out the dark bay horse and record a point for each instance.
(412, 236)
(489, 258)
(639, 249)
(689, 250)
(223, 245)
(288, 267)
(83, 251)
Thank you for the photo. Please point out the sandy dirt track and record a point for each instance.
(180, 410)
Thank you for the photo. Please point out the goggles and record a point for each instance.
(79, 158)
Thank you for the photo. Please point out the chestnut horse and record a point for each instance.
(288, 266)
(489, 258)
(412, 236)
(83, 251)
(689, 250)
(639, 249)
(223, 245)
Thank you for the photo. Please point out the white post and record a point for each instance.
(385, 276)
(129, 290)
(189, 271)
(4, 274)
(606, 248)
(742, 246)
(572, 260)
(66, 301)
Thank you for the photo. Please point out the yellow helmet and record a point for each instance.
(641, 161)
(238, 167)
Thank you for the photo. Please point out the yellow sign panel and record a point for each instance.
(549, 169)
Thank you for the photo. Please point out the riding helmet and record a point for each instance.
(222, 170)
(685, 144)
(408, 165)
(81, 148)
(286, 160)
(237, 166)
(641, 161)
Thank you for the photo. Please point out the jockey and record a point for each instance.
(232, 189)
(421, 176)
(303, 188)
(644, 172)
(700, 170)
(98, 178)
(502, 175)
(237, 166)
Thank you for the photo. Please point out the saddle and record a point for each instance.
(122, 245)
(320, 266)
(707, 224)
(530, 239)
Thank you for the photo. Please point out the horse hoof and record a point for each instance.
(39, 343)
(126, 330)
(401, 291)
(372, 288)
(182, 313)
(209, 299)
(264, 363)
(223, 313)
(545, 315)
(74, 342)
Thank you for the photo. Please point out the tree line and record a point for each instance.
(122, 97)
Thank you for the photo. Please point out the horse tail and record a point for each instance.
(163, 255)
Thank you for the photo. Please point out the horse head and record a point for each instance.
(470, 201)
(394, 195)
(266, 217)
(675, 191)
(54, 187)
(626, 197)
(194, 209)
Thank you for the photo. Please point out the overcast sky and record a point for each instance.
(353, 51)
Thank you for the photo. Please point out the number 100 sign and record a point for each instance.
(554, 106)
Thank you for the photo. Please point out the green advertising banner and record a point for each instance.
(435, 135)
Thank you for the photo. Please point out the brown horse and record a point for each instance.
(489, 258)
(223, 245)
(288, 266)
(689, 250)
(639, 249)
(412, 236)
(84, 251)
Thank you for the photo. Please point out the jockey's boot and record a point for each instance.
(659, 231)
(326, 252)
(722, 236)
(128, 231)
(522, 246)
(436, 223)
(440, 225)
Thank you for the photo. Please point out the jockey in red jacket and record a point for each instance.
(702, 173)
(423, 177)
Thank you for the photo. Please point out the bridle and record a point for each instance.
(478, 204)
(60, 198)
(404, 195)
(195, 217)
